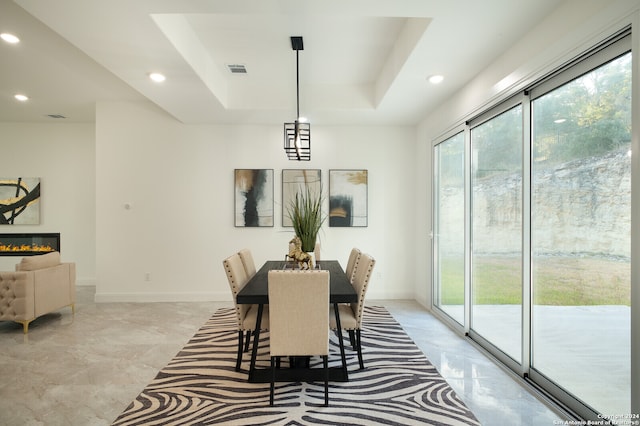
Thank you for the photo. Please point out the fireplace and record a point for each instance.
(29, 244)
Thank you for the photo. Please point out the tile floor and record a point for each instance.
(495, 396)
(85, 369)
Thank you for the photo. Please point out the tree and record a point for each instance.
(586, 117)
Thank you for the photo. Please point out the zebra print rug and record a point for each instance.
(200, 386)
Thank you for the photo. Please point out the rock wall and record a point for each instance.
(581, 207)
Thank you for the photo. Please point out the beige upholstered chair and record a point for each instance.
(247, 262)
(299, 318)
(246, 314)
(40, 285)
(351, 314)
(316, 254)
(354, 256)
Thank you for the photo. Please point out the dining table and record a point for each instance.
(256, 292)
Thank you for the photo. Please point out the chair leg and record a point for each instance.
(325, 363)
(273, 380)
(359, 343)
(239, 356)
(25, 326)
(247, 341)
(352, 339)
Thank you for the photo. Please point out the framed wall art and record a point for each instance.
(20, 201)
(294, 181)
(253, 189)
(348, 191)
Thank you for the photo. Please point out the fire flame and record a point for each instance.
(25, 247)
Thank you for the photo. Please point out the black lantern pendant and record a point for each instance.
(297, 135)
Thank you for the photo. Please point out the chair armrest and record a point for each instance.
(54, 287)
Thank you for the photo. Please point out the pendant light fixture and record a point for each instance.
(297, 135)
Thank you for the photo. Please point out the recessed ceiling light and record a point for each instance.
(21, 97)
(9, 38)
(435, 79)
(157, 77)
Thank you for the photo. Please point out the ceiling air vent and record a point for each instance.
(237, 68)
(56, 116)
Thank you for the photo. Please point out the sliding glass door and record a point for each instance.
(449, 227)
(581, 225)
(532, 247)
(496, 231)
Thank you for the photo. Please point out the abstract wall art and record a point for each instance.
(19, 201)
(348, 198)
(253, 197)
(295, 181)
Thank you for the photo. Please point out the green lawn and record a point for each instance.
(563, 281)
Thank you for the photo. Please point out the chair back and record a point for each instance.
(247, 262)
(298, 312)
(361, 277)
(354, 256)
(316, 253)
(237, 278)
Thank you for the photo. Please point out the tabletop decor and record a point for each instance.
(305, 213)
(296, 255)
(294, 181)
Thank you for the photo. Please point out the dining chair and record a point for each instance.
(299, 318)
(247, 262)
(316, 255)
(246, 314)
(351, 314)
(354, 256)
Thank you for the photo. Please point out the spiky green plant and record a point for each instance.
(305, 212)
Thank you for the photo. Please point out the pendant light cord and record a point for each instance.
(297, 88)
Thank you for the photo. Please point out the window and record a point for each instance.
(581, 227)
(548, 247)
(496, 231)
(449, 227)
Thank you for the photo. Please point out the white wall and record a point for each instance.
(574, 27)
(178, 180)
(62, 156)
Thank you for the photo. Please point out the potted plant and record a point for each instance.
(305, 212)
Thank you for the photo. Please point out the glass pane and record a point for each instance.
(581, 217)
(496, 231)
(449, 227)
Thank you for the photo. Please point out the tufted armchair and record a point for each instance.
(40, 285)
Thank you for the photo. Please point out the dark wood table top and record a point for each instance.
(256, 290)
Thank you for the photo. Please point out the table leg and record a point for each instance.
(339, 330)
(256, 338)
